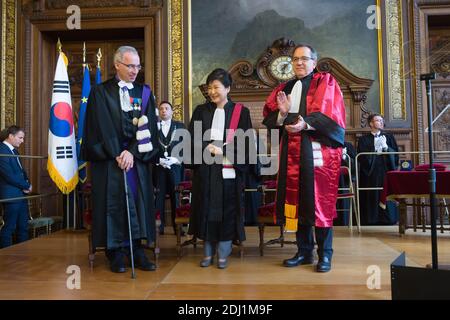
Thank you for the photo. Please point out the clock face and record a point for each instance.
(281, 68)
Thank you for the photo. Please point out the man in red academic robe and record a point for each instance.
(310, 111)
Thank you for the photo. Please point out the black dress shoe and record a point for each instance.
(324, 265)
(141, 261)
(117, 261)
(298, 259)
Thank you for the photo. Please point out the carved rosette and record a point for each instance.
(245, 77)
(8, 65)
(440, 57)
(175, 55)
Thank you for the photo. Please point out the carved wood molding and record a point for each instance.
(56, 10)
(8, 63)
(36, 6)
(357, 86)
(420, 10)
(432, 2)
(395, 60)
(175, 57)
(440, 57)
(62, 4)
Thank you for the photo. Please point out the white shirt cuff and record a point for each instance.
(308, 127)
(281, 119)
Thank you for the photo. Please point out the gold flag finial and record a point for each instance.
(99, 57)
(59, 45)
(84, 54)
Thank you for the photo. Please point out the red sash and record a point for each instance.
(233, 126)
(291, 202)
(234, 122)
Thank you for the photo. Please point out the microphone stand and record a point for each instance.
(432, 171)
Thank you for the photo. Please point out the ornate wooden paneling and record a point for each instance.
(429, 51)
(440, 63)
(7, 64)
(175, 57)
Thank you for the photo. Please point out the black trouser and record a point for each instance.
(324, 238)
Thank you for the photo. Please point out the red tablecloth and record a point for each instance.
(406, 184)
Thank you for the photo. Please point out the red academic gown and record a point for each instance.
(309, 161)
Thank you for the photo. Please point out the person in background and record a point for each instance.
(13, 183)
(169, 170)
(373, 169)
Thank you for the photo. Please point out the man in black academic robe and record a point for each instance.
(114, 142)
(373, 169)
(310, 113)
(169, 170)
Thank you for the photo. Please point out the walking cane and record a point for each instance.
(133, 275)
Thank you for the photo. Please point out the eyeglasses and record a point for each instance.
(131, 66)
(302, 59)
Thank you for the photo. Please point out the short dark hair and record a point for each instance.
(10, 130)
(314, 54)
(373, 115)
(221, 75)
(167, 102)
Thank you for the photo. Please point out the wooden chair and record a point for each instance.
(266, 217)
(182, 214)
(87, 220)
(38, 224)
(349, 193)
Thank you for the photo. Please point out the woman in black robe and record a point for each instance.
(373, 169)
(217, 192)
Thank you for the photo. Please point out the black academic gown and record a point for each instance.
(327, 132)
(253, 199)
(216, 208)
(167, 179)
(108, 131)
(372, 171)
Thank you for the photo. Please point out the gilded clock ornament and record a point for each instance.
(281, 68)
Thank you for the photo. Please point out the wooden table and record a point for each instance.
(402, 185)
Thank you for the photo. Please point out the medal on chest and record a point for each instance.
(136, 105)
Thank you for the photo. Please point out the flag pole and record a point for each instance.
(67, 212)
(74, 209)
(75, 191)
